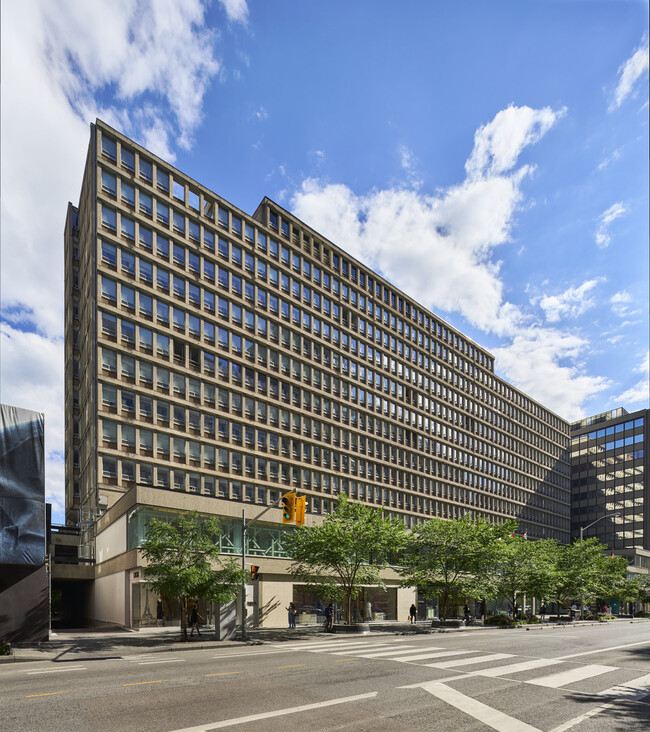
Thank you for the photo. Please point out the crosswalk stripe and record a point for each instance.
(362, 650)
(630, 689)
(469, 661)
(491, 717)
(439, 654)
(554, 681)
(391, 652)
(515, 668)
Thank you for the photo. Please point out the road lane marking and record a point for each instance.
(54, 670)
(168, 660)
(476, 709)
(515, 668)
(50, 693)
(294, 665)
(384, 646)
(344, 660)
(224, 673)
(469, 661)
(251, 653)
(554, 681)
(140, 683)
(603, 650)
(278, 713)
(392, 652)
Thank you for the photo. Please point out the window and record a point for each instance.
(109, 183)
(127, 297)
(109, 218)
(146, 339)
(193, 230)
(146, 375)
(109, 254)
(146, 272)
(109, 396)
(109, 148)
(127, 228)
(128, 194)
(109, 360)
(179, 255)
(109, 325)
(146, 204)
(162, 246)
(146, 238)
(162, 213)
(128, 263)
(162, 180)
(128, 366)
(179, 223)
(128, 159)
(128, 403)
(208, 240)
(109, 289)
(109, 431)
(146, 170)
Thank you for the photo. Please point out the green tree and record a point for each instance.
(523, 567)
(184, 563)
(442, 556)
(584, 572)
(348, 550)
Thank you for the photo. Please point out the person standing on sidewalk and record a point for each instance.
(292, 612)
(194, 620)
(329, 617)
(413, 614)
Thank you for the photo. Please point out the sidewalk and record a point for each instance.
(107, 643)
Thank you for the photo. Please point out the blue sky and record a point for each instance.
(490, 159)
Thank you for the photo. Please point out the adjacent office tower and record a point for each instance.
(215, 360)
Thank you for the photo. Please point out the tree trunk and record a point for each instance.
(183, 619)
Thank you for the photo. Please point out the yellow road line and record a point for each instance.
(226, 673)
(139, 683)
(51, 693)
(295, 665)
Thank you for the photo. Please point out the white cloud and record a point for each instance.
(409, 164)
(498, 144)
(629, 74)
(615, 211)
(236, 10)
(440, 249)
(606, 162)
(260, 114)
(574, 301)
(535, 361)
(638, 396)
(620, 303)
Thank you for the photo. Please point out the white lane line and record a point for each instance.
(515, 668)
(360, 651)
(439, 654)
(469, 661)
(476, 709)
(603, 650)
(168, 660)
(251, 653)
(55, 670)
(554, 681)
(277, 713)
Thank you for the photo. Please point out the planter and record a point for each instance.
(447, 623)
(362, 628)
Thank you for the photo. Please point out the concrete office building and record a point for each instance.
(609, 482)
(215, 360)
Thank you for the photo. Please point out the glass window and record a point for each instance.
(179, 223)
(127, 192)
(109, 289)
(128, 159)
(127, 261)
(109, 254)
(162, 246)
(109, 218)
(146, 237)
(127, 296)
(146, 169)
(146, 203)
(162, 213)
(109, 359)
(109, 325)
(162, 180)
(193, 230)
(146, 271)
(208, 240)
(109, 147)
(109, 183)
(127, 228)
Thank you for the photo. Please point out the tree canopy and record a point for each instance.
(184, 563)
(442, 556)
(348, 550)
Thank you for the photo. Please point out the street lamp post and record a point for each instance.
(582, 531)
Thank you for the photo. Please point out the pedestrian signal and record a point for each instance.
(254, 571)
(301, 504)
(288, 508)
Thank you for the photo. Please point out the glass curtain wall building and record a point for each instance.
(609, 475)
(215, 360)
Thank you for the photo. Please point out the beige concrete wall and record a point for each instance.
(406, 596)
(111, 541)
(109, 603)
(273, 597)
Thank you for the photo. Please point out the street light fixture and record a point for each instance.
(582, 531)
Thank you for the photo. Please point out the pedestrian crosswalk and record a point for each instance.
(551, 673)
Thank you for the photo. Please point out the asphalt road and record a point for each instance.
(547, 679)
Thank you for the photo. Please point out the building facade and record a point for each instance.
(215, 360)
(609, 480)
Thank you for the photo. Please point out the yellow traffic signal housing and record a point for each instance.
(288, 508)
(254, 571)
(301, 505)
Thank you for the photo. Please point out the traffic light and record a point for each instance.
(301, 504)
(254, 571)
(288, 508)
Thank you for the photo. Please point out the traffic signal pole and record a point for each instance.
(244, 528)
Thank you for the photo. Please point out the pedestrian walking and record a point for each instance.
(413, 614)
(467, 614)
(160, 613)
(292, 612)
(329, 617)
(194, 620)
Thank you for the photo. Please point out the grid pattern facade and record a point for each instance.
(609, 475)
(237, 357)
